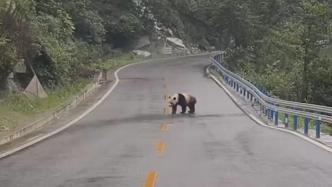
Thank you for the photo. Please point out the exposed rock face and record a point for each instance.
(142, 53)
(142, 43)
(12, 87)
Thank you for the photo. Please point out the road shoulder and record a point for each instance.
(250, 111)
(67, 119)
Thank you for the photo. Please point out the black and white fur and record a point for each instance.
(184, 100)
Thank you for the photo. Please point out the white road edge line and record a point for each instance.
(117, 80)
(259, 122)
(33, 138)
(94, 106)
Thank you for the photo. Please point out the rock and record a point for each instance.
(142, 53)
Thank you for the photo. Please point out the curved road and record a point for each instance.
(130, 135)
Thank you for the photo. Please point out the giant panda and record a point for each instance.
(184, 100)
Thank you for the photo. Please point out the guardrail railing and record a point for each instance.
(272, 107)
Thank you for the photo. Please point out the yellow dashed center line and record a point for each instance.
(161, 147)
(164, 127)
(167, 108)
(165, 97)
(151, 179)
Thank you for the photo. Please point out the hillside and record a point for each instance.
(278, 44)
(281, 46)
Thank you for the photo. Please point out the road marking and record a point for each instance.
(164, 127)
(33, 138)
(261, 123)
(167, 110)
(151, 179)
(12, 151)
(161, 147)
(166, 97)
(88, 111)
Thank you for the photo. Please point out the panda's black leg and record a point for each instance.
(184, 109)
(174, 109)
(191, 108)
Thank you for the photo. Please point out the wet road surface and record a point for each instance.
(131, 137)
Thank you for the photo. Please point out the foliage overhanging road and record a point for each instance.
(129, 135)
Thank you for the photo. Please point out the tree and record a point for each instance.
(7, 61)
(12, 39)
(315, 21)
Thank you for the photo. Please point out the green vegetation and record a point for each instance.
(22, 104)
(325, 127)
(280, 45)
(17, 109)
(64, 42)
(115, 62)
(283, 46)
(60, 40)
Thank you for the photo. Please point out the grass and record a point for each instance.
(325, 128)
(17, 110)
(116, 61)
(327, 51)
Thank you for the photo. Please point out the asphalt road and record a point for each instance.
(130, 135)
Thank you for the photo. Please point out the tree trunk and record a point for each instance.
(305, 85)
(307, 58)
(3, 82)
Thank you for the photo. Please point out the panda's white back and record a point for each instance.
(187, 97)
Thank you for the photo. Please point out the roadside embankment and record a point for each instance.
(21, 115)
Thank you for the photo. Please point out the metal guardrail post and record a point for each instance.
(262, 108)
(318, 122)
(286, 120)
(306, 126)
(266, 102)
(295, 122)
(276, 118)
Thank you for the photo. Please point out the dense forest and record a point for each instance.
(283, 46)
(61, 39)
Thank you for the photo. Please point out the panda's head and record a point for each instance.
(174, 100)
